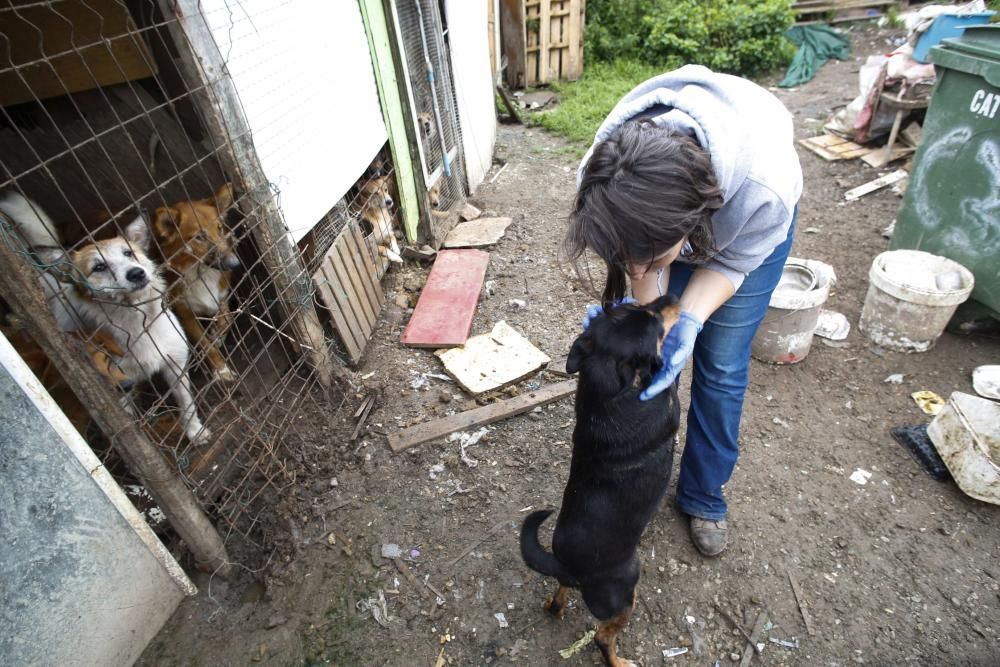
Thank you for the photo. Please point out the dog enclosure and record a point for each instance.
(121, 112)
(194, 244)
(423, 39)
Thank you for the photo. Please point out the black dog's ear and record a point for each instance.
(582, 348)
(638, 372)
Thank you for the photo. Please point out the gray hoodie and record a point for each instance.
(748, 134)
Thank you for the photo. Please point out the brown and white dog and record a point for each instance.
(112, 290)
(196, 248)
(376, 214)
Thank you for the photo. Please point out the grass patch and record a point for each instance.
(583, 104)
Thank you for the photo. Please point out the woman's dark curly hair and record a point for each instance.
(644, 189)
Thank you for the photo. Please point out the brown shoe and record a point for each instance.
(709, 537)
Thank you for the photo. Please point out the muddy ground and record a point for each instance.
(900, 570)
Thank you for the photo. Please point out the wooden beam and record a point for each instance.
(512, 41)
(421, 433)
(397, 117)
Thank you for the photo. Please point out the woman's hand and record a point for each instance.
(594, 310)
(677, 349)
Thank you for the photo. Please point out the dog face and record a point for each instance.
(195, 231)
(425, 124)
(115, 269)
(621, 349)
(434, 195)
(375, 192)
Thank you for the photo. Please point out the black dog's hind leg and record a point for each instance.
(556, 605)
(607, 637)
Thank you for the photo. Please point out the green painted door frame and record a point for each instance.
(398, 120)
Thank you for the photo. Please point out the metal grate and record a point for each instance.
(425, 50)
(116, 195)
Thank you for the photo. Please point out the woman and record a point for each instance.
(691, 186)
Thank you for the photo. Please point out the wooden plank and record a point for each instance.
(544, 56)
(879, 158)
(366, 271)
(367, 268)
(421, 433)
(389, 72)
(493, 360)
(343, 298)
(332, 296)
(840, 6)
(347, 275)
(756, 636)
(877, 184)
(69, 48)
(443, 315)
(831, 147)
(512, 41)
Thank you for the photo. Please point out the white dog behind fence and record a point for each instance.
(113, 287)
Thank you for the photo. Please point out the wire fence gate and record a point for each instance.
(150, 284)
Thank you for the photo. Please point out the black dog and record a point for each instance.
(623, 449)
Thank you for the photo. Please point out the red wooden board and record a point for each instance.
(443, 316)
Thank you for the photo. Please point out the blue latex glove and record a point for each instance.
(677, 349)
(595, 310)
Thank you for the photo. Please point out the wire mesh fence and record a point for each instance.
(115, 190)
(425, 50)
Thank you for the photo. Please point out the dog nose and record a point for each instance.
(136, 275)
(388, 202)
(230, 262)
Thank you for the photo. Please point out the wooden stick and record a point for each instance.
(511, 109)
(363, 418)
(736, 625)
(755, 637)
(799, 600)
(405, 571)
(465, 552)
(421, 433)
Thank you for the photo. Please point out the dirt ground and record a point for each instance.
(900, 570)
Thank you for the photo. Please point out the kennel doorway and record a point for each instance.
(423, 43)
(123, 110)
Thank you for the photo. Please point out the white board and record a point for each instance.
(468, 36)
(304, 76)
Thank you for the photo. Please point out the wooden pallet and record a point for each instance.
(830, 147)
(348, 285)
(822, 6)
(553, 31)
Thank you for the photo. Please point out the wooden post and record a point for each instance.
(512, 39)
(20, 289)
(202, 62)
(397, 116)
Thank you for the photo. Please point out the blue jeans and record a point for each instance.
(721, 374)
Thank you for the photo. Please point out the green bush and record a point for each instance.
(583, 104)
(744, 37)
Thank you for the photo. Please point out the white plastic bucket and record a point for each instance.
(785, 335)
(911, 296)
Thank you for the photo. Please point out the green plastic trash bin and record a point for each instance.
(952, 203)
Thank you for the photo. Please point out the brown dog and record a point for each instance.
(197, 252)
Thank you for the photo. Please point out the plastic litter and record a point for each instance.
(578, 645)
(860, 476)
(986, 382)
(674, 652)
(832, 325)
(928, 401)
(501, 619)
(915, 440)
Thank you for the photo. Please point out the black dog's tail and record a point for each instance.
(535, 556)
